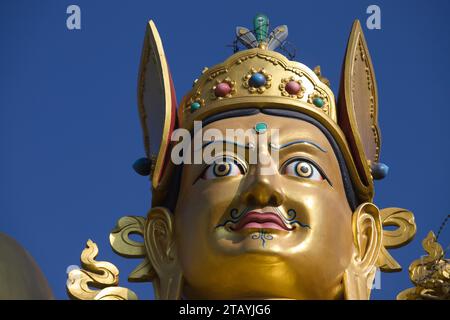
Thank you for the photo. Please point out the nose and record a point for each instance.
(263, 190)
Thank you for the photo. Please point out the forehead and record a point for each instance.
(288, 128)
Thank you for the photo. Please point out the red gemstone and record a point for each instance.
(222, 89)
(292, 87)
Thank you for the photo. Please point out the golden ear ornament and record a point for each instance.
(98, 274)
(121, 244)
(402, 235)
(157, 251)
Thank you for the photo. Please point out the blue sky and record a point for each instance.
(69, 128)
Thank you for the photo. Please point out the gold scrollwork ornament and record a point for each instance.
(429, 274)
(98, 274)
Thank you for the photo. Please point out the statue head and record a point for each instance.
(273, 195)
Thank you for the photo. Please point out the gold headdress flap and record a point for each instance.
(358, 105)
(157, 102)
(358, 118)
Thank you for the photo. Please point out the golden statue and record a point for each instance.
(302, 225)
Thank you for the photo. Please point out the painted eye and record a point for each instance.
(302, 169)
(223, 168)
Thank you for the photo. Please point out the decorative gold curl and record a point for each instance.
(405, 232)
(121, 244)
(99, 274)
(318, 73)
(430, 274)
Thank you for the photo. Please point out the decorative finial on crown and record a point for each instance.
(261, 26)
(259, 37)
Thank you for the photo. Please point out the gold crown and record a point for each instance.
(258, 78)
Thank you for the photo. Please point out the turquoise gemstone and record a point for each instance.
(195, 106)
(261, 127)
(318, 102)
(257, 80)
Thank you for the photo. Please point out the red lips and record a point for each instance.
(261, 220)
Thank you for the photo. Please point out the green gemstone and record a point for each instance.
(195, 106)
(318, 102)
(260, 127)
(261, 27)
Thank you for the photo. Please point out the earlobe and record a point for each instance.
(367, 241)
(162, 252)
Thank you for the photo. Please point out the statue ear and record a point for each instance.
(162, 253)
(157, 103)
(367, 238)
(358, 107)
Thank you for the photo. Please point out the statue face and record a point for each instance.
(243, 233)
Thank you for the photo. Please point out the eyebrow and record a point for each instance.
(298, 142)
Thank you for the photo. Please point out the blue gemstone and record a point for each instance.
(379, 170)
(142, 166)
(257, 80)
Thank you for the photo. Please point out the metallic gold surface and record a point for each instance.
(358, 104)
(429, 274)
(156, 100)
(121, 243)
(20, 276)
(405, 232)
(219, 263)
(99, 274)
(239, 68)
(162, 253)
(368, 239)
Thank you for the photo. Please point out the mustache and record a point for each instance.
(290, 217)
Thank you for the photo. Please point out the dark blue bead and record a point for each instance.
(257, 80)
(379, 170)
(142, 166)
